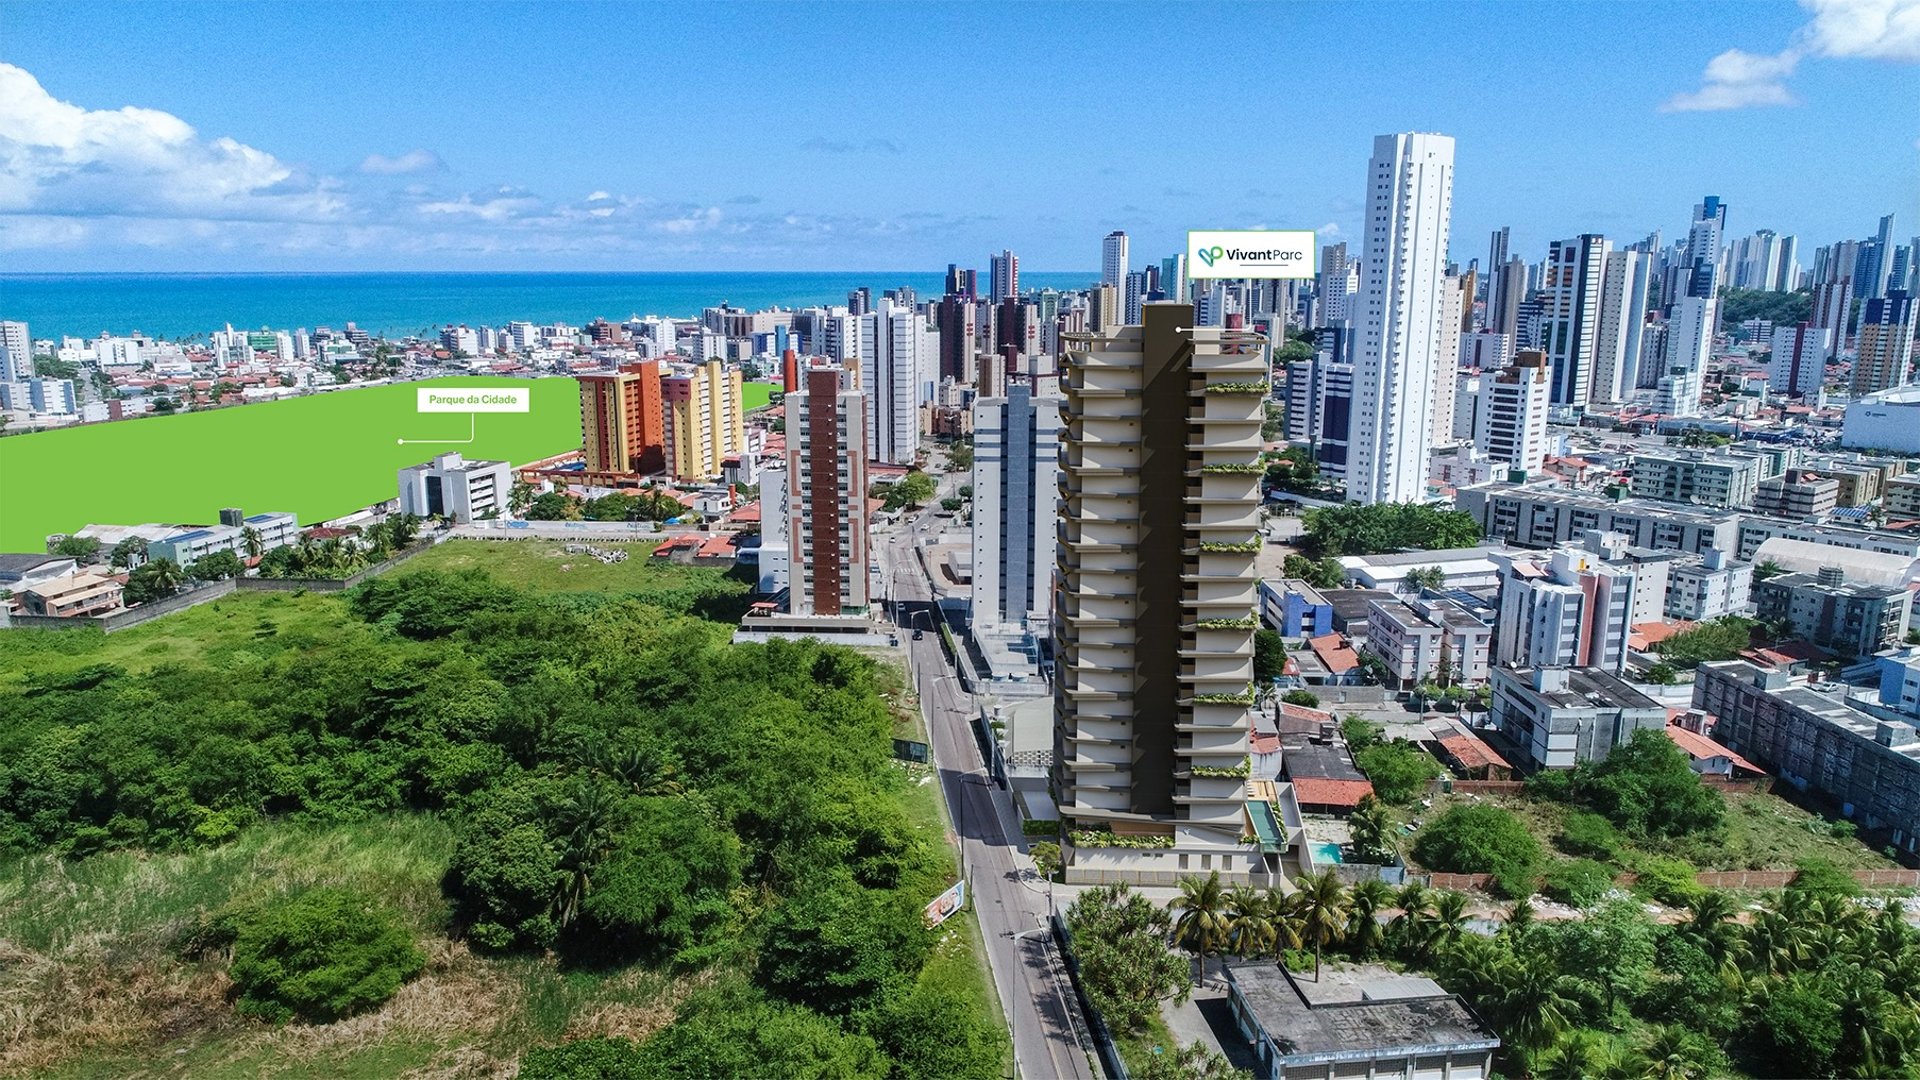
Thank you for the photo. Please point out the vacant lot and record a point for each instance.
(317, 457)
(546, 564)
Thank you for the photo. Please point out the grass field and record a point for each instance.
(545, 564)
(318, 457)
(757, 395)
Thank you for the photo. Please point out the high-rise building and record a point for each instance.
(1699, 273)
(1003, 276)
(1884, 355)
(1873, 284)
(705, 419)
(1799, 361)
(1153, 616)
(1496, 261)
(1690, 333)
(1399, 324)
(1173, 278)
(1832, 307)
(1105, 313)
(1113, 259)
(826, 496)
(1016, 468)
(1511, 420)
(1136, 296)
(1338, 281)
(954, 318)
(1623, 318)
(1576, 272)
(1456, 297)
(859, 301)
(16, 352)
(622, 422)
(891, 356)
(1507, 289)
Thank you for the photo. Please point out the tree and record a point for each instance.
(1269, 655)
(1481, 839)
(128, 553)
(1426, 577)
(1710, 924)
(1304, 698)
(663, 887)
(1532, 1004)
(1578, 1055)
(1794, 1029)
(1324, 573)
(1356, 529)
(1372, 827)
(156, 579)
(323, 955)
(520, 496)
(912, 490)
(554, 506)
(1250, 926)
(1767, 568)
(839, 947)
(1716, 639)
(250, 542)
(1577, 882)
(1366, 936)
(216, 566)
(960, 456)
(1046, 858)
(1671, 1052)
(1646, 787)
(1120, 939)
(1399, 771)
(732, 1031)
(933, 1031)
(1662, 674)
(1322, 903)
(1203, 926)
(81, 548)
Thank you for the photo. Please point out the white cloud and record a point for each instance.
(413, 161)
(59, 158)
(497, 206)
(1840, 30)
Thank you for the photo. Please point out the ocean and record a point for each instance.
(397, 304)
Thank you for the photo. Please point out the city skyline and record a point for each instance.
(424, 161)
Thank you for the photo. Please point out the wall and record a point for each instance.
(120, 620)
(1714, 879)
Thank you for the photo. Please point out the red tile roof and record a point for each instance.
(1698, 746)
(1301, 712)
(1334, 651)
(1318, 791)
(1471, 753)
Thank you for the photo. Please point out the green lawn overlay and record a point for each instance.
(318, 457)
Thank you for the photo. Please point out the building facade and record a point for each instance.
(1016, 488)
(1564, 716)
(452, 487)
(705, 419)
(829, 553)
(1510, 421)
(622, 423)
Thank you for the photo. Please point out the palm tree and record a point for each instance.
(587, 822)
(1712, 927)
(1577, 1056)
(1372, 828)
(1203, 925)
(636, 767)
(1322, 902)
(1673, 1053)
(1365, 933)
(1286, 925)
(1449, 920)
(167, 576)
(1252, 929)
(250, 540)
(1776, 942)
(1416, 908)
(1520, 916)
(1530, 1000)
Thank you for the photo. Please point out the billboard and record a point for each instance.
(947, 904)
(1250, 253)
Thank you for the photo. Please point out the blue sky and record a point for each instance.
(847, 136)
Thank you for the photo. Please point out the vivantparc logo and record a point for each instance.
(1251, 253)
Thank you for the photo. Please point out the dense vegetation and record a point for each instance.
(1355, 529)
(1716, 639)
(1739, 305)
(623, 787)
(1813, 982)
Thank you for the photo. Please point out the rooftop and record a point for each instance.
(1580, 688)
(1361, 1012)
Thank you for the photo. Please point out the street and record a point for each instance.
(1010, 900)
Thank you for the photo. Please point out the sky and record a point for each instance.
(846, 136)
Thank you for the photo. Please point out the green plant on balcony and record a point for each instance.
(1104, 838)
(1248, 468)
(1230, 547)
(1257, 386)
(1245, 697)
(1215, 772)
(1245, 622)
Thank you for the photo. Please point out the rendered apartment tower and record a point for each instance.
(826, 478)
(1016, 442)
(622, 421)
(1159, 505)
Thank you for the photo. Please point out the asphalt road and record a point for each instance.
(1008, 898)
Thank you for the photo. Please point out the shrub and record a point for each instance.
(1818, 877)
(1481, 839)
(1591, 836)
(1581, 882)
(1670, 881)
(1306, 698)
(585, 1059)
(1399, 770)
(325, 954)
(838, 947)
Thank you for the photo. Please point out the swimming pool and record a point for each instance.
(1326, 853)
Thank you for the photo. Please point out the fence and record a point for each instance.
(1515, 787)
(1713, 879)
(254, 584)
(558, 530)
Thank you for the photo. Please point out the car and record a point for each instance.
(918, 634)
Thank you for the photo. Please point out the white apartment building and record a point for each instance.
(898, 358)
(1453, 304)
(1623, 317)
(1113, 260)
(1511, 418)
(1429, 639)
(1409, 211)
(1153, 622)
(451, 486)
(1698, 477)
(1565, 608)
(16, 352)
(1016, 471)
(1799, 363)
(1708, 587)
